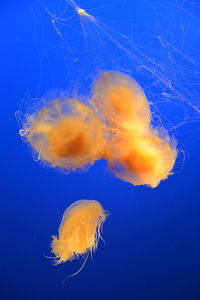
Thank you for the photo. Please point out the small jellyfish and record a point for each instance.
(79, 231)
(80, 11)
(136, 152)
(65, 133)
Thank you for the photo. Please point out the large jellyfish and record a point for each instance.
(79, 231)
(120, 102)
(136, 152)
(65, 133)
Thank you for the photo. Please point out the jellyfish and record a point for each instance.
(120, 102)
(136, 152)
(141, 160)
(79, 231)
(65, 133)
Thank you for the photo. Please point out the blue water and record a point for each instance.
(152, 235)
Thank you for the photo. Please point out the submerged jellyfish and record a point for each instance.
(79, 231)
(65, 133)
(136, 152)
(120, 102)
(141, 160)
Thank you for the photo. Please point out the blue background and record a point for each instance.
(152, 235)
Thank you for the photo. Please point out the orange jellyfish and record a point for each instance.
(120, 102)
(79, 231)
(136, 152)
(141, 160)
(65, 133)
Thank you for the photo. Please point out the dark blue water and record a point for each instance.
(152, 235)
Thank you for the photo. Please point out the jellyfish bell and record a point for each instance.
(79, 231)
(120, 101)
(142, 160)
(65, 133)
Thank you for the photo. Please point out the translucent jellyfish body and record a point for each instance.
(65, 133)
(120, 102)
(141, 160)
(79, 231)
(135, 151)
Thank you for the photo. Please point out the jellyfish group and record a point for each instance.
(114, 124)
